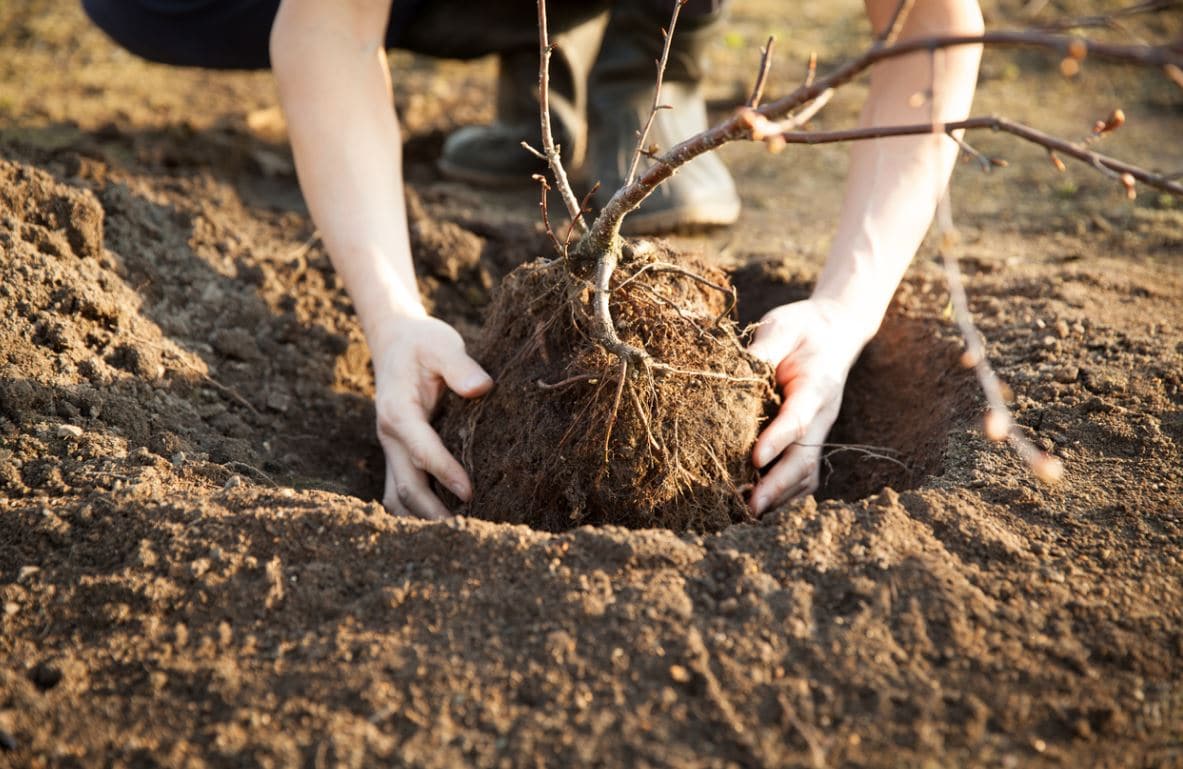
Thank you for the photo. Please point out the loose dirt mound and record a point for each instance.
(571, 436)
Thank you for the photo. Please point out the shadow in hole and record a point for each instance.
(905, 394)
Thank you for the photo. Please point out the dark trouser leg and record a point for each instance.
(235, 34)
(217, 34)
(492, 154)
(214, 34)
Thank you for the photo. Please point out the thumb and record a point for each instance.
(776, 336)
(463, 375)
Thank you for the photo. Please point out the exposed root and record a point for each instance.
(593, 378)
(660, 435)
(611, 424)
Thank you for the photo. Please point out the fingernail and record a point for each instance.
(762, 457)
(477, 382)
(757, 503)
(460, 490)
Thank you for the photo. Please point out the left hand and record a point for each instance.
(811, 345)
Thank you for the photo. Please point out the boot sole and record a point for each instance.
(459, 173)
(701, 215)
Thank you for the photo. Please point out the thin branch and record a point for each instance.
(606, 228)
(657, 105)
(560, 249)
(762, 75)
(998, 423)
(548, 140)
(895, 25)
(1052, 143)
(1106, 20)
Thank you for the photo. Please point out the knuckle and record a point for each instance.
(392, 505)
(418, 457)
(391, 421)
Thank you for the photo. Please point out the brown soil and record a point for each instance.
(193, 572)
(573, 435)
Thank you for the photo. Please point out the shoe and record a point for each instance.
(493, 155)
(702, 192)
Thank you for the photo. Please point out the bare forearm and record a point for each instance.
(894, 184)
(334, 86)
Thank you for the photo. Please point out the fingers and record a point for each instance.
(797, 473)
(797, 414)
(776, 336)
(463, 375)
(407, 491)
(413, 438)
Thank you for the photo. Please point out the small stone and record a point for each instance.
(235, 343)
(69, 431)
(679, 674)
(26, 572)
(11, 608)
(278, 401)
(233, 482)
(1066, 374)
(1062, 329)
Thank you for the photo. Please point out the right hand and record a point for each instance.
(413, 360)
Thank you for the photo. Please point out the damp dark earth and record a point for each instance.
(194, 571)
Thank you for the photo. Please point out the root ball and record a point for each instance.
(571, 435)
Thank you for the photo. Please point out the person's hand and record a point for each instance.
(413, 360)
(811, 345)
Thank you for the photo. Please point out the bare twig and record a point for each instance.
(668, 34)
(810, 70)
(549, 149)
(560, 248)
(899, 17)
(998, 423)
(1053, 143)
(606, 228)
(762, 75)
(1108, 19)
